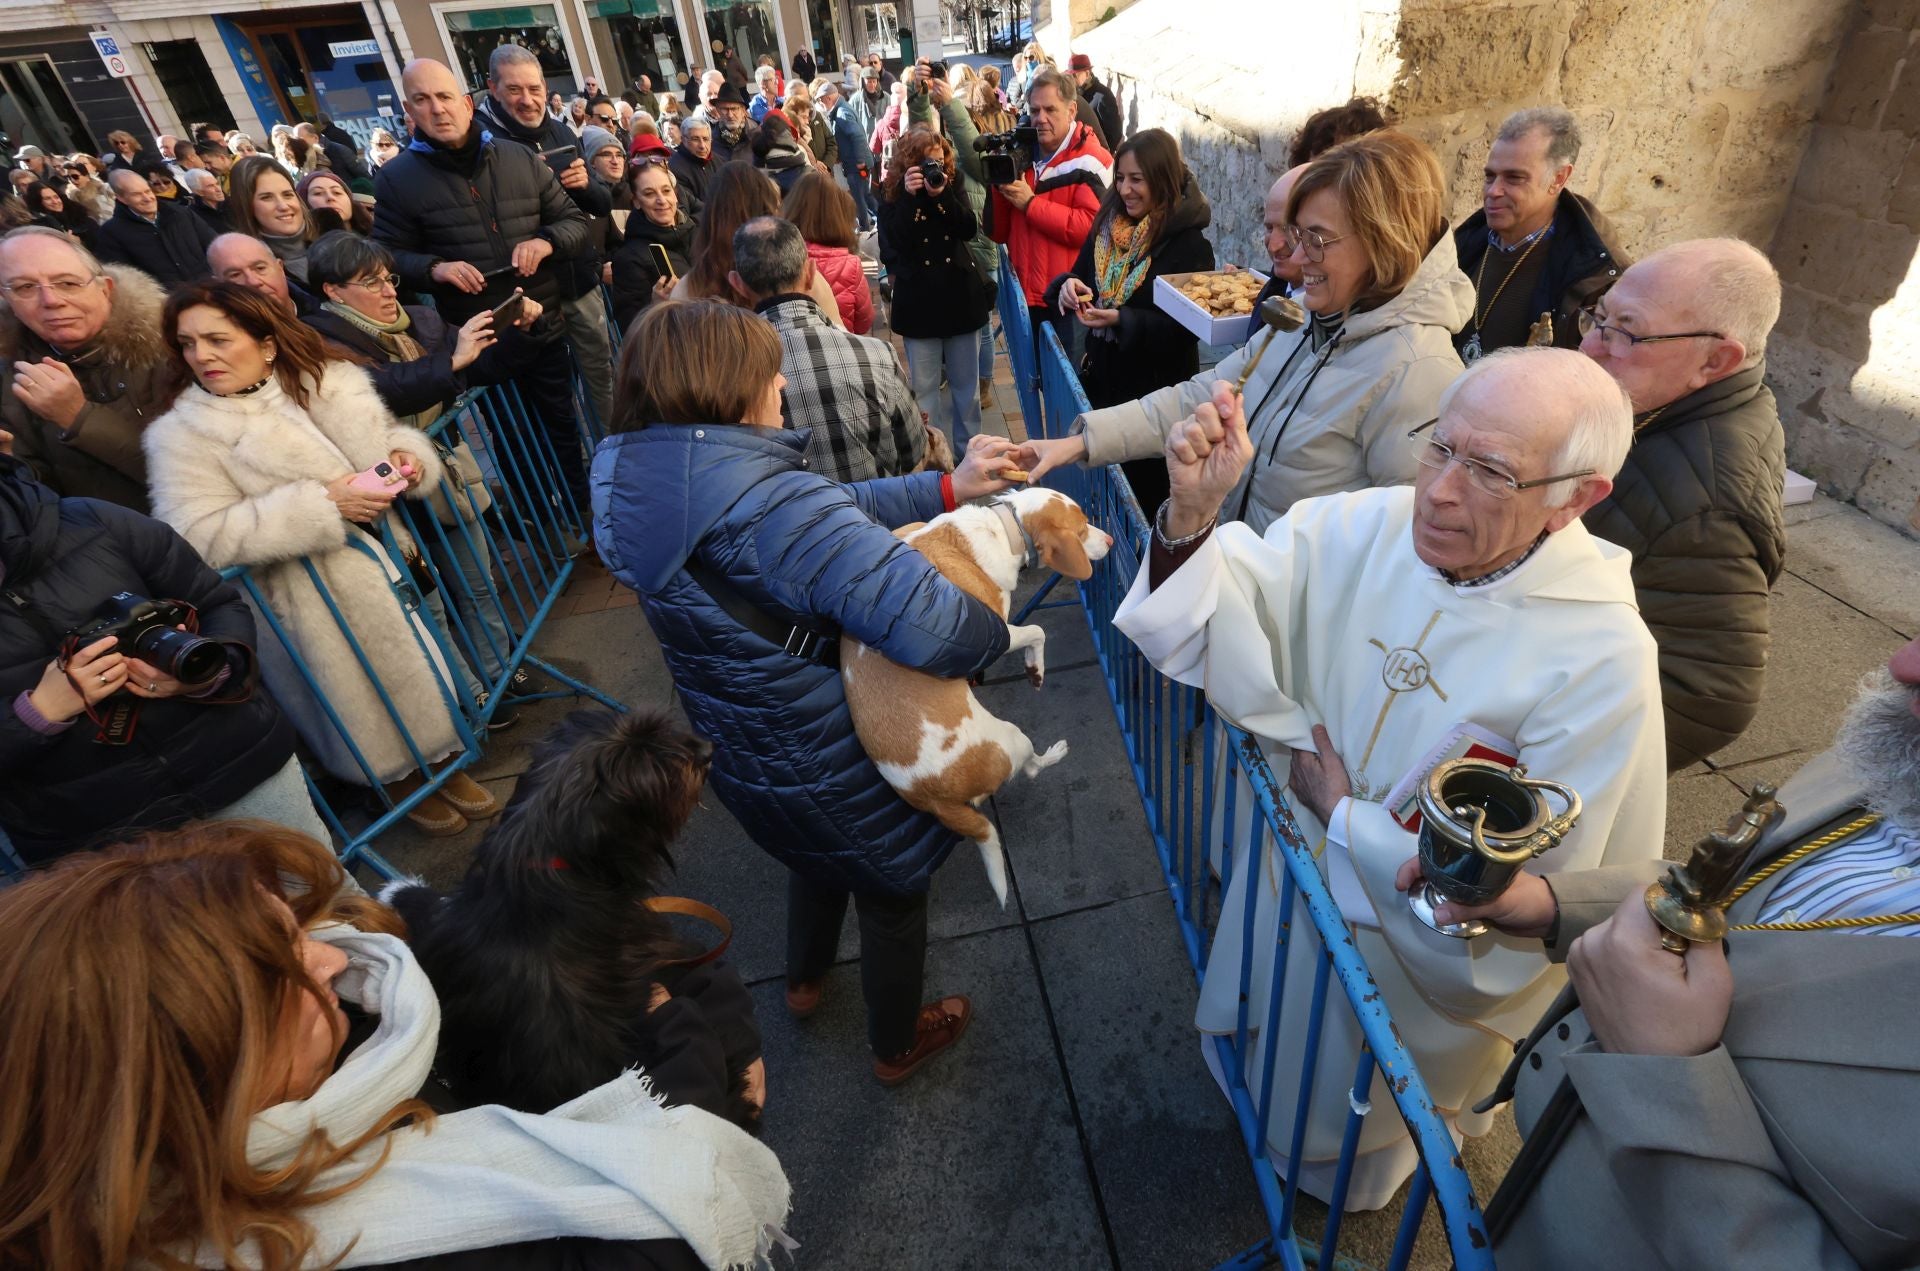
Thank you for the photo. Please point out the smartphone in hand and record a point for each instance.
(508, 311)
(662, 263)
(381, 478)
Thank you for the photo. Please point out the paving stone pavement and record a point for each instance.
(1075, 1126)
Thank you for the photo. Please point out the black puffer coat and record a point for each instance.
(59, 794)
(594, 199)
(1148, 349)
(634, 271)
(476, 204)
(1698, 505)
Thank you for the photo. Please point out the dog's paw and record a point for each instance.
(1047, 758)
(1036, 675)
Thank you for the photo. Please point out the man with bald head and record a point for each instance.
(169, 243)
(1698, 503)
(244, 259)
(469, 218)
(85, 362)
(1284, 280)
(1356, 638)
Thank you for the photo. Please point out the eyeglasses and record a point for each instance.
(379, 282)
(65, 288)
(1620, 342)
(1316, 242)
(649, 159)
(1433, 453)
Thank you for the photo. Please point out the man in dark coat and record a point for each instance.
(1698, 501)
(244, 259)
(692, 163)
(515, 106)
(207, 201)
(469, 218)
(1099, 99)
(856, 156)
(733, 131)
(214, 748)
(1535, 249)
(89, 365)
(169, 243)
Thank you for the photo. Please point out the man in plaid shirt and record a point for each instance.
(847, 389)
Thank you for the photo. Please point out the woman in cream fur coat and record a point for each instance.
(251, 465)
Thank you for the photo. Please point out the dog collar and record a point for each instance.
(1017, 537)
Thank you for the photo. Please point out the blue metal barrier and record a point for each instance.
(1192, 769)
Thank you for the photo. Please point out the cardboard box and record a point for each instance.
(1211, 330)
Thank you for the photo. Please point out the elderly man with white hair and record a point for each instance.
(207, 200)
(1368, 631)
(1697, 503)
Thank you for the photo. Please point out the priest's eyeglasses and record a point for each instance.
(1316, 243)
(1437, 454)
(1619, 342)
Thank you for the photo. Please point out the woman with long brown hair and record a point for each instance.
(176, 1014)
(738, 193)
(940, 296)
(260, 462)
(1152, 223)
(330, 204)
(262, 201)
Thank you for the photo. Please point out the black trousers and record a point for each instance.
(893, 953)
(543, 371)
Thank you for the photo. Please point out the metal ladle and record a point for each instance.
(1277, 314)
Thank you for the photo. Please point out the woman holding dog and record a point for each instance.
(749, 567)
(178, 1012)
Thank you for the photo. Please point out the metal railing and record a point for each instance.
(1208, 791)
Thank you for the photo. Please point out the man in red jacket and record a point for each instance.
(1044, 217)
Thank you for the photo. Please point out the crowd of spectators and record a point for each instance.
(211, 341)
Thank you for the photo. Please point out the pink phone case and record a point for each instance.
(374, 483)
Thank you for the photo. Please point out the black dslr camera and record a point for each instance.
(934, 173)
(146, 629)
(1005, 155)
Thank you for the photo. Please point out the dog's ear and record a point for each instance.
(1059, 541)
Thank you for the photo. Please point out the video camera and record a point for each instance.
(146, 629)
(1005, 155)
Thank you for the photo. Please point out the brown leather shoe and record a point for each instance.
(435, 818)
(468, 797)
(803, 998)
(986, 394)
(940, 1025)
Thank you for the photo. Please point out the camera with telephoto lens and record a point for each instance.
(1005, 155)
(147, 629)
(933, 172)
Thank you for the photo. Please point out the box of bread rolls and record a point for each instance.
(1217, 306)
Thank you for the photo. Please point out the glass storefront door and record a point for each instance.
(879, 31)
(476, 33)
(646, 41)
(36, 111)
(746, 27)
(188, 82)
(826, 37)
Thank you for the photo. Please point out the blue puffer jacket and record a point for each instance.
(786, 761)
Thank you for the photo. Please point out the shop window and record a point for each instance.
(879, 31)
(745, 27)
(188, 82)
(476, 33)
(35, 109)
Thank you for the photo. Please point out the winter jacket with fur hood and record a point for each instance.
(1324, 422)
(123, 372)
(187, 757)
(1698, 506)
(243, 478)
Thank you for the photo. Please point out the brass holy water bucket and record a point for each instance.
(1480, 822)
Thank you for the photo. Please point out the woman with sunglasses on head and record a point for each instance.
(657, 220)
(1327, 406)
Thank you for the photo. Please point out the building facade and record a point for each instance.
(252, 64)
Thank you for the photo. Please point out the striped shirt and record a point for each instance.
(1875, 872)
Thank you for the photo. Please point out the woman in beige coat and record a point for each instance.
(254, 466)
(1329, 406)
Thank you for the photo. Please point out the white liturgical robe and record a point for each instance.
(1333, 619)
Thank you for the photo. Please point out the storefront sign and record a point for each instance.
(109, 50)
(354, 48)
(621, 8)
(489, 19)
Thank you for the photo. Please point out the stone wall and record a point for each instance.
(1845, 359)
(1692, 111)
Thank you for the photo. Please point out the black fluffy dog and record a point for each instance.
(553, 976)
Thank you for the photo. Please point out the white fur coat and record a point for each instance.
(243, 479)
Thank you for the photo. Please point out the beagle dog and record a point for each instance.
(931, 738)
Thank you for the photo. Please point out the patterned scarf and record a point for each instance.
(1121, 257)
(393, 337)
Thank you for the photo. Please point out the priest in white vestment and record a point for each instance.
(1351, 639)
